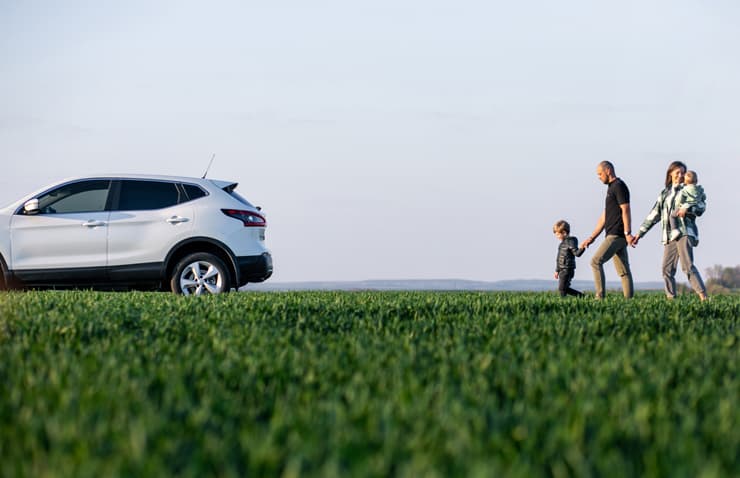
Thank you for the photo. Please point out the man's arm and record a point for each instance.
(597, 231)
(627, 220)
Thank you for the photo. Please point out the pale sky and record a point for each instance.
(388, 139)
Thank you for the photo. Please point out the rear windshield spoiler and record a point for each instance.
(225, 185)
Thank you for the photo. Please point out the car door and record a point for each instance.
(149, 217)
(67, 237)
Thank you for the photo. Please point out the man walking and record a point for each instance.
(616, 221)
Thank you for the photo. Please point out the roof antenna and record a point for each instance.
(209, 165)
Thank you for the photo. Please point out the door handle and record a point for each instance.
(177, 219)
(93, 223)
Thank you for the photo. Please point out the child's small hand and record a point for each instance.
(556, 275)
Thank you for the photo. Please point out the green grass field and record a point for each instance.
(368, 384)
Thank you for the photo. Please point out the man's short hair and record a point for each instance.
(561, 226)
(607, 165)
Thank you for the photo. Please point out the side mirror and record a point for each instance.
(31, 206)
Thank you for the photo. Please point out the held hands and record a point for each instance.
(556, 275)
(634, 241)
(586, 243)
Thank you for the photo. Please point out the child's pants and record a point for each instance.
(564, 278)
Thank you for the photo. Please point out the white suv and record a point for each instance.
(187, 235)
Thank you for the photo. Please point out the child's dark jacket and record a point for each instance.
(567, 253)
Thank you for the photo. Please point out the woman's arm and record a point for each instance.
(652, 218)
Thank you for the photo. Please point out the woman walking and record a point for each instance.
(681, 248)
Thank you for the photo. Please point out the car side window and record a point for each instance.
(82, 196)
(139, 195)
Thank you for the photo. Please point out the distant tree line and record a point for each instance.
(722, 280)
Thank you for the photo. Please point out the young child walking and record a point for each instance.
(690, 195)
(568, 250)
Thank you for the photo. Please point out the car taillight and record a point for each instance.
(249, 218)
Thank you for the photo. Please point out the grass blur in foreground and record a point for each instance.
(367, 384)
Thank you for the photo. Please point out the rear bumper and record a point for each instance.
(254, 268)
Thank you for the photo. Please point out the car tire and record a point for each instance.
(3, 283)
(200, 273)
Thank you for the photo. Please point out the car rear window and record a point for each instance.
(193, 191)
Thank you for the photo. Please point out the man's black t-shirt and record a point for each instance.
(616, 194)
